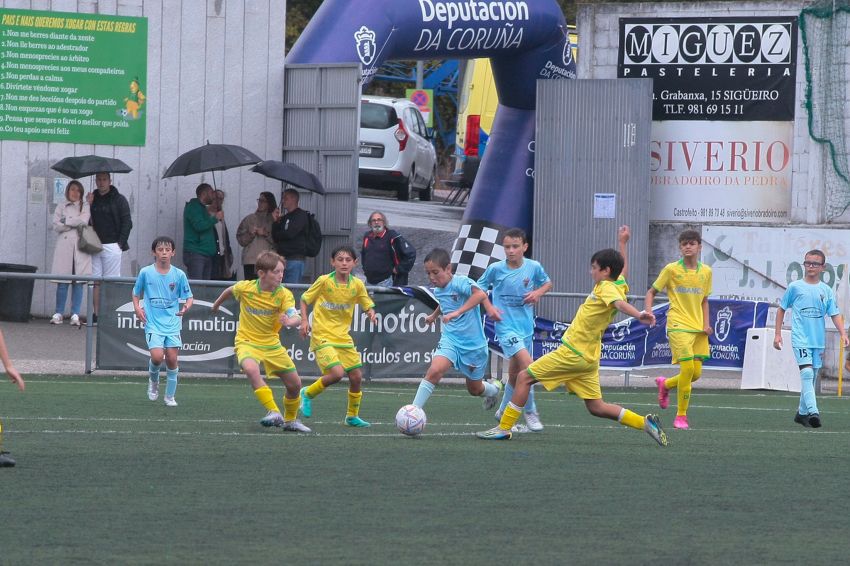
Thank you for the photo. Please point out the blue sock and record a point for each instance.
(423, 393)
(808, 401)
(171, 385)
(490, 389)
(153, 371)
(530, 405)
(506, 397)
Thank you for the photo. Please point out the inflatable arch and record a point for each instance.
(525, 40)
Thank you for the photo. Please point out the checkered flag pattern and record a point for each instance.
(477, 246)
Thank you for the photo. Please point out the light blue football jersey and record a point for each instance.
(466, 331)
(809, 303)
(161, 294)
(509, 289)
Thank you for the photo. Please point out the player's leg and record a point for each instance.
(472, 364)
(332, 370)
(355, 395)
(156, 347)
(249, 361)
(291, 400)
(513, 410)
(172, 369)
(440, 364)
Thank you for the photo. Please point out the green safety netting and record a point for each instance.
(825, 30)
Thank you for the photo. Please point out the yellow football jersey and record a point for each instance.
(584, 336)
(259, 312)
(686, 289)
(333, 309)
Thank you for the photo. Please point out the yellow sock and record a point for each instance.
(683, 394)
(290, 408)
(266, 398)
(510, 416)
(697, 369)
(631, 419)
(671, 382)
(315, 388)
(354, 404)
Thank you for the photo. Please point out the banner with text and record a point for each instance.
(723, 111)
(73, 78)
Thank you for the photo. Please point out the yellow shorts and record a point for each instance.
(330, 356)
(688, 346)
(275, 360)
(565, 367)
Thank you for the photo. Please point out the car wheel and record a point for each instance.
(425, 194)
(406, 191)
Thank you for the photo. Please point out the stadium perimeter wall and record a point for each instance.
(215, 73)
(598, 25)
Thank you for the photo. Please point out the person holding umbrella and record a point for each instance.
(199, 247)
(289, 232)
(254, 233)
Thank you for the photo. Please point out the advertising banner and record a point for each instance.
(73, 78)
(758, 263)
(723, 111)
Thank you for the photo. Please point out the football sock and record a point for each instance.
(153, 371)
(423, 393)
(171, 381)
(630, 419)
(530, 405)
(510, 417)
(489, 389)
(506, 396)
(290, 408)
(314, 388)
(354, 404)
(683, 393)
(697, 369)
(266, 398)
(808, 401)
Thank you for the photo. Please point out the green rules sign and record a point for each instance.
(73, 78)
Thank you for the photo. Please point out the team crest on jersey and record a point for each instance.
(525, 282)
(172, 286)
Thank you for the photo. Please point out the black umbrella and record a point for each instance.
(210, 157)
(290, 173)
(87, 165)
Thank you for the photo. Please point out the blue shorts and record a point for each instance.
(163, 341)
(470, 363)
(513, 343)
(808, 357)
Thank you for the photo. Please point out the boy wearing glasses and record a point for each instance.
(687, 283)
(811, 299)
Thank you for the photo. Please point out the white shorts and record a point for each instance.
(108, 262)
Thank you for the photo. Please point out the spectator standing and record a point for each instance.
(255, 233)
(110, 217)
(199, 247)
(67, 258)
(289, 232)
(387, 256)
(223, 261)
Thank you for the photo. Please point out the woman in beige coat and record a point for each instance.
(255, 233)
(67, 258)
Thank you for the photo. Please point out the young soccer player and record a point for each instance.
(811, 299)
(576, 362)
(6, 460)
(333, 297)
(162, 287)
(462, 344)
(517, 283)
(264, 307)
(687, 283)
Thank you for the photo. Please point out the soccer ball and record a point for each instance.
(410, 420)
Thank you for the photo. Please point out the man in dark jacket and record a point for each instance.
(110, 217)
(387, 257)
(199, 247)
(289, 234)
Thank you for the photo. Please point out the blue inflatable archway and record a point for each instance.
(525, 41)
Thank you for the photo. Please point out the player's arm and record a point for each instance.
(291, 318)
(13, 374)
(431, 318)
(838, 321)
(139, 308)
(226, 294)
(186, 306)
(706, 321)
(629, 310)
(475, 298)
(623, 235)
(777, 334)
(305, 320)
(532, 297)
(490, 309)
(649, 299)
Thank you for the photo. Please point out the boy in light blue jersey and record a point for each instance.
(162, 287)
(517, 283)
(462, 344)
(811, 299)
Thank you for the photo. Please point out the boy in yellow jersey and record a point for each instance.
(575, 363)
(687, 283)
(6, 460)
(333, 297)
(264, 307)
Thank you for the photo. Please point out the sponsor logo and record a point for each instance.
(365, 43)
(621, 330)
(723, 324)
(473, 11)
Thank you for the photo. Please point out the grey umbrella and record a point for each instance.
(87, 165)
(210, 157)
(290, 173)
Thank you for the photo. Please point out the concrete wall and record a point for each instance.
(598, 26)
(215, 72)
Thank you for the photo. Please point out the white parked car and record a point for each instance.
(396, 152)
